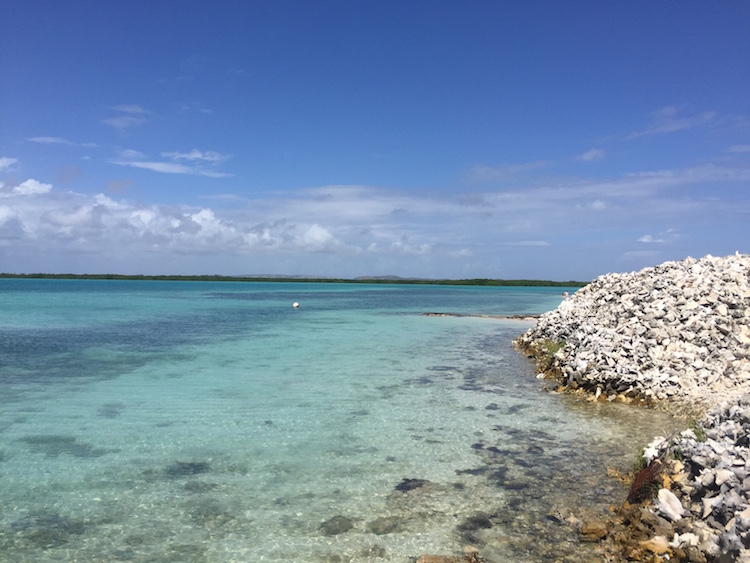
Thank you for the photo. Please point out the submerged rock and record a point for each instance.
(411, 484)
(48, 530)
(336, 525)
(385, 525)
(186, 468)
(53, 445)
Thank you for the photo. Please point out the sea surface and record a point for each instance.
(155, 421)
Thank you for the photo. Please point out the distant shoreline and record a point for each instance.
(391, 280)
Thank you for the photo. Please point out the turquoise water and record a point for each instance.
(188, 421)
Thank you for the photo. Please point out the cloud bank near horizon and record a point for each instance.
(329, 230)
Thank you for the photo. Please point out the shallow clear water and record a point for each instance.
(181, 421)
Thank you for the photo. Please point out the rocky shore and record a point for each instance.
(675, 336)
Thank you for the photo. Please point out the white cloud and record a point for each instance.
(60, 141)
(163, 167)
(132, 154)
(527, 243)
(51, 141)
(189, 107)
(593, 154)
(124, 121)
(171, 168)
(7, 162)
(666, 120)
(353, 224)
(596, 205)
(136, 115)
(201, 163)
(31, 186)
(739, 148)
(76, 222)
(131, 108)
(195, 154)
(6, 214)
(317, 238)
(136, 159)
(400, 247)
(663, 237)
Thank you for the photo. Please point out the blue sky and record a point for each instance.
(556, 140)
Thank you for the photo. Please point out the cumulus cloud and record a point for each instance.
(668, 120)
(317, 238)
(7, 162)
(98, 223)
(6, 214)
(593, 154)
(30, 187)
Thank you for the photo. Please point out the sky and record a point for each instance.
(431, 139)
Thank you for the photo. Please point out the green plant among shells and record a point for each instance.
(550, 348)
(640, 461)
(699, 431)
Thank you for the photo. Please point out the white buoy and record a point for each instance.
(295, 305)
